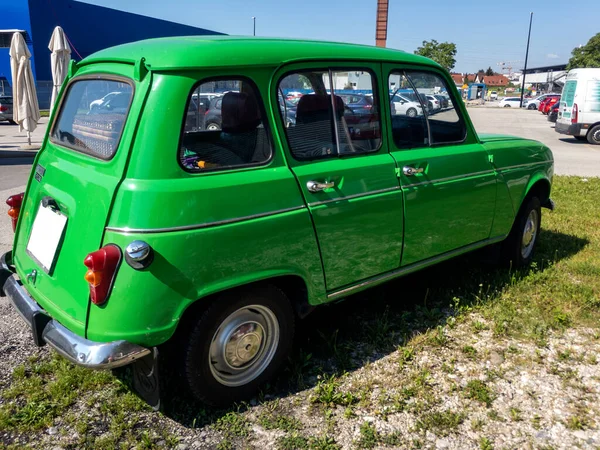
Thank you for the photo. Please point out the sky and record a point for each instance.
(485, 33)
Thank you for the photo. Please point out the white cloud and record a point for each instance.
(552, 56)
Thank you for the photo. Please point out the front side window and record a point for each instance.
(330, 113)
(92, 116)
(409, 125)
(224, 127)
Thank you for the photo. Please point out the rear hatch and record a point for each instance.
(566, 114)
(71, 189)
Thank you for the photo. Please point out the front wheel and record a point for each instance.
(411, 112)
(240, 341)
(213, 126)
(507, 106)
(519, 246)
(593, 136)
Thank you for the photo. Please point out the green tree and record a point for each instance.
(441, 52)
(489, 72)
(587, 55)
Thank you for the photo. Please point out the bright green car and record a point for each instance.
(145, 223)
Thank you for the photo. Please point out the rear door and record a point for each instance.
(71, 188)
(448, 182)
(345, 173)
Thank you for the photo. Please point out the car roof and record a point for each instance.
(192, 52)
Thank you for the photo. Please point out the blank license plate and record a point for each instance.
(46, 235)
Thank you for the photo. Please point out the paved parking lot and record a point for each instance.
(572, 157)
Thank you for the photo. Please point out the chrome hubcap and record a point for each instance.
(244, 345)
(529, 234)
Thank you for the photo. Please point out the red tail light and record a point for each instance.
(15, 202)
(3, 108)
(574, 113)
(102, 268)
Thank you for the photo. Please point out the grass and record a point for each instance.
(405, 319)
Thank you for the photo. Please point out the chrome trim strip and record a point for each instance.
(455, 177)
(525, 165)
(362, 194)
(413, 267)
(202, 225)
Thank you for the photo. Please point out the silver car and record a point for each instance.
(6, 108)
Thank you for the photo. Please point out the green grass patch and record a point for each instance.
(440, 422)
(478, 390)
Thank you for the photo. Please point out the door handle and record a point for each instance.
(410, 171)
(317, 186)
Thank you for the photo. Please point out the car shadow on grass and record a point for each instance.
(342, 337)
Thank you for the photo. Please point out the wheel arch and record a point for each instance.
(540, 186)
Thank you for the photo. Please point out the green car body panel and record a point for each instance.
(219, 230)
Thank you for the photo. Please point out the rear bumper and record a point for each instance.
(46, 330)
(575, 129)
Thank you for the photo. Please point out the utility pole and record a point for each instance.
(526, 56)
(254, 26)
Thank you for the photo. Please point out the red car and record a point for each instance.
(547, 104)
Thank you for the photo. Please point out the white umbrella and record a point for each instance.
(26, 111)
(61, 54)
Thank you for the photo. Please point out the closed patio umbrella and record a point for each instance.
(26, 111)
(61, 54)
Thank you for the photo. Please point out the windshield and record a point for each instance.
(92, 116)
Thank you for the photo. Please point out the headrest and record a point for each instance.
(239, 112)
(312, 107)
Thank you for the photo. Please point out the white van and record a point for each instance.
(579, 108)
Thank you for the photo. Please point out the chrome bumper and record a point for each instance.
(81, 351)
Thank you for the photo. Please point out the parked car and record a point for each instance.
(553, 114)
(110, 102)
(216, 242)
(510, 102)
(579, 113)
(358, 103)
(403, 104)
(212, 117)
(494, 95)
(547, 104)
(444, 103)
(435, 103)
(6, 108)
(534, 103)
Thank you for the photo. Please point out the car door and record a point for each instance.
(345, 173)
(447, 179)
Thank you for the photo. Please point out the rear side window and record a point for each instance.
(92, 116)
(224, 127)
(323, 122)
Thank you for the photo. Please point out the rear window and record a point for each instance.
(6, 100)
(92, 116)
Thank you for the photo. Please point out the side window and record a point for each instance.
(409, 125)
(445, 123)
(224, 127)
(323, 119)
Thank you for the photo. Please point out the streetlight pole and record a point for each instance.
(526, 56)
(254, 26)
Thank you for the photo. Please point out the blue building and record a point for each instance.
(89, 28)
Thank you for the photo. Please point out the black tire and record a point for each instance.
(593, 136)
(513, 252)
(213, 126)
(531, 107)
(411, 112)
(12, 122)
(507, 106)
(212, 379)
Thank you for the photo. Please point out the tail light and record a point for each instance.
(574, 113)
(3, 108)
(102, 268)
(15, 202)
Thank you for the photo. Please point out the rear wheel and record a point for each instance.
(519, 246)
(239, 343)
(411, 112)
(593, 136)
(507, 106)
(213, 126)
(531, 107)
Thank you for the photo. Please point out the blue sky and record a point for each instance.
(485, 32)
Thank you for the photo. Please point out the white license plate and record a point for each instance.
(46, 235)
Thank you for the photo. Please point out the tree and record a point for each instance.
(489, 72)
(443, 53)
(587, 55)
